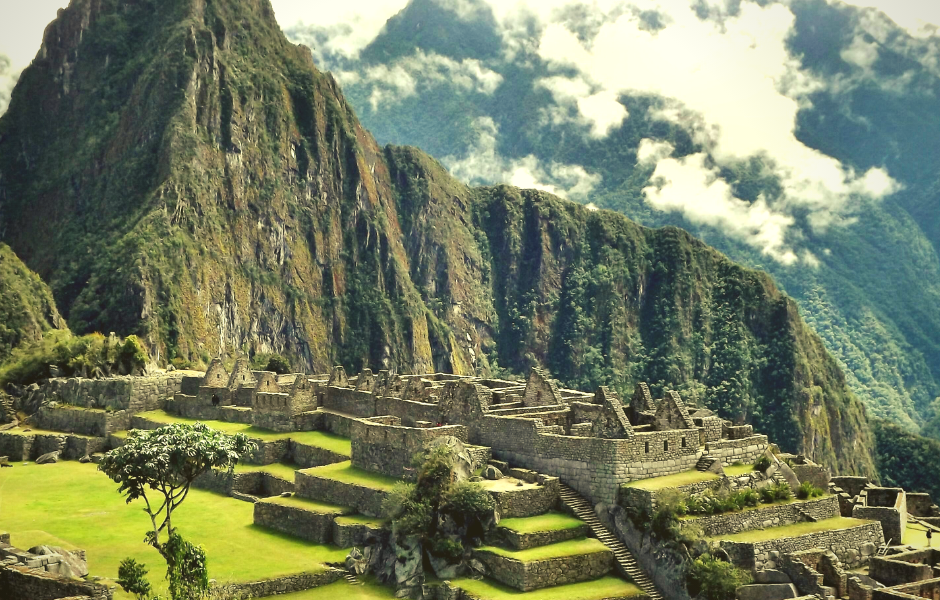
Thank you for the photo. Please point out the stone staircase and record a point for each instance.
(351, 579)
(705, 463)
(584, 511)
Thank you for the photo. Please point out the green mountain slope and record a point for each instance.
(873, 297)
(27, 309)
(180, 171)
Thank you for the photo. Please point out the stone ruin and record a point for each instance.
(530, 441)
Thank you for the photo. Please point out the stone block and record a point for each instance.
(770, 591)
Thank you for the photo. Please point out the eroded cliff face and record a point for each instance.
(178, 170)
(27, 310)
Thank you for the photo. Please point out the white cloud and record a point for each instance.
(736, 76)
(484, 165)
(919, 17)
(861, 53)
(402, 79)
(596, 108)
(651, 152)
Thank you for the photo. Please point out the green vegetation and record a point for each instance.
(73, 505)
(773, 533)
(808, 491)
(550, 521)
(599, 589)
(672, 481)
(361, 520)
(27, 309)
(165, 462)
(347, 473)
(568, 548)
(762, 463)
(284, 471)
(422, 509)
(84, 356)
(320, 439)
(309, 505)
(738, 470)
(271, 362)
(367, 589)
(907, 460)
(713, 579)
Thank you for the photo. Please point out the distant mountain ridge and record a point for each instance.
(874, 296)
(180, 171)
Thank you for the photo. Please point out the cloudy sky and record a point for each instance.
(745, 52)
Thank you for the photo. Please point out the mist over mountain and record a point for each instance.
(800, 138)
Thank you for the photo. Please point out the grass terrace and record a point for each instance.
(738, 470)
(361, 520)
(916, 535)
(654, 484)
(282, 470)
(347, 473)
(599, 589)
(793, 500)
(561, 549)
(551, 521)
(320, 439)
(368, 590)
(76, 506)
(34, 431)
(309, 505)
(797, 529)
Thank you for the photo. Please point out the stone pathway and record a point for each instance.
(584, 511)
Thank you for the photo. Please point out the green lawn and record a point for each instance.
(569, 548)
(320, 439)
(35, 431)
(283, 470)
(773, 533)
(738, 470)
(916, 535)
(369, 590)
(605, 587)
(309, 505)
(80, 506)
(551, 521)
(655, 484)
(347, 473)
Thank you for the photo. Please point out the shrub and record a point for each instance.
(762, 463)
(132, 577)
(278, 364)
(782, 491)
(767, 495)
(713, 579)
(808, 490)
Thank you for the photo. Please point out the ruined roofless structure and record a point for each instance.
(593, 442)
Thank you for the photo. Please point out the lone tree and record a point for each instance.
(160, 466)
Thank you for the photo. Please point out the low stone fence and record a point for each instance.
(295, 520)
(84, 421)
(23, 582)
(535, 575)
(349, 401)
(364, 500)
(504, 536)
(853, 546)
(409, 411)
(245, 486)
(313, 456)
(903, 568)
(29, 446)
(744, 450)
(351, 534)
(280, 585)
(528, 501)
(764, 516)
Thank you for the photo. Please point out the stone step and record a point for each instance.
(625, 560)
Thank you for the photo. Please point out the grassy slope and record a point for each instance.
(550, 521)
(79, 505)
(347, 473)
(569, 548)
(599, 589)
(772, 533)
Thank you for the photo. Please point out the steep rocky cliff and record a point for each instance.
(178, 170)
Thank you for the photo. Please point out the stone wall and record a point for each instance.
(528, 501)
(28, 446)
(920, 505)
(313, 456)
(93, 422)
(355, 534)
(893, 521)
(349, 401)
(645, 500)
(745, 450)
(409, 411)
(390, 449)
(853, 546)
(134, 394)
(503, 536)
(922, 589)
(364, 500)
(595, 467)
(535, 575)
(23, 583)
(765, 516)
(815, 474)
(279, 585)
(308, 525)
(903, 568)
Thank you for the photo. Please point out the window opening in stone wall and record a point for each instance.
(684, 443)
(647, 447)
(215, 400)
(666, 446)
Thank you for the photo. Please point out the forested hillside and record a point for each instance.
(482, 96)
